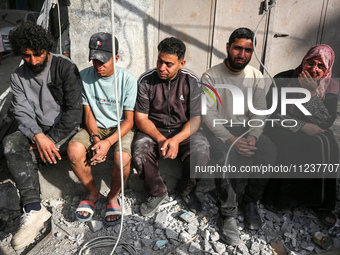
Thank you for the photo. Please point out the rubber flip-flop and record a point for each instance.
(113, 209)
(86, 206)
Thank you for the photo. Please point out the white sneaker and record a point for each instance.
(30, 225)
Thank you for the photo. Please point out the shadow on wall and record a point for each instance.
(165, 28)
(299, 46)
(121, 20)
(121, 26)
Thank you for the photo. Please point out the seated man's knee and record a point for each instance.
(200, 144)
(141, 148)
(8, 145)
(75, 150)
(126, 158)
(12, 143)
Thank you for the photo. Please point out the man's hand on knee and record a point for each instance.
(161, 149)
(243, 146)
(47, 149)
(100, 150)
(170, 148)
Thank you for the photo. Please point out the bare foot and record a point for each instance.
(330, 220)
(112, 217)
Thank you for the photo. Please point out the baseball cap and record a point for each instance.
(101, 47)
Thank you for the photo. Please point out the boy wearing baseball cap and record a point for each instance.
(90, 146)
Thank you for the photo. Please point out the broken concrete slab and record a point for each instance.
(161, 220)
(9, 196)
(194, 248)
(95, 225)
(170, 234)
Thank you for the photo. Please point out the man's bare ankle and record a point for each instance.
(93, 197)
(113, 200)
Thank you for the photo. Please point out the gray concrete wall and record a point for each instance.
(3, 4)
(306, 23)
(141, 25)
(134, 29)
(192, 23)
(205, 26)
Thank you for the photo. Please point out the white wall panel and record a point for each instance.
(300, 20)
(190, 21)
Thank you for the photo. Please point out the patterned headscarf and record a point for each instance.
(326, 84)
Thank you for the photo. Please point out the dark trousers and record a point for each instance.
(146, 155)
(232, 190)
(23, 164)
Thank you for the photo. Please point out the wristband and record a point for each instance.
(93, 136)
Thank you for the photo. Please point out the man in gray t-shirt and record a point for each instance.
(47, 106)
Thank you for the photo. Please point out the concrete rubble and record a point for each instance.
(9, 196)
(166, 231)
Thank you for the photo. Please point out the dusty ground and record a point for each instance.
(293, 228)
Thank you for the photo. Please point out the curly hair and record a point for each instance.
(30, 35)
(172, 45)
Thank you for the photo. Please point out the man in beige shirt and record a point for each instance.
(241, 131)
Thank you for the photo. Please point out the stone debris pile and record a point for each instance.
(172, 229)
